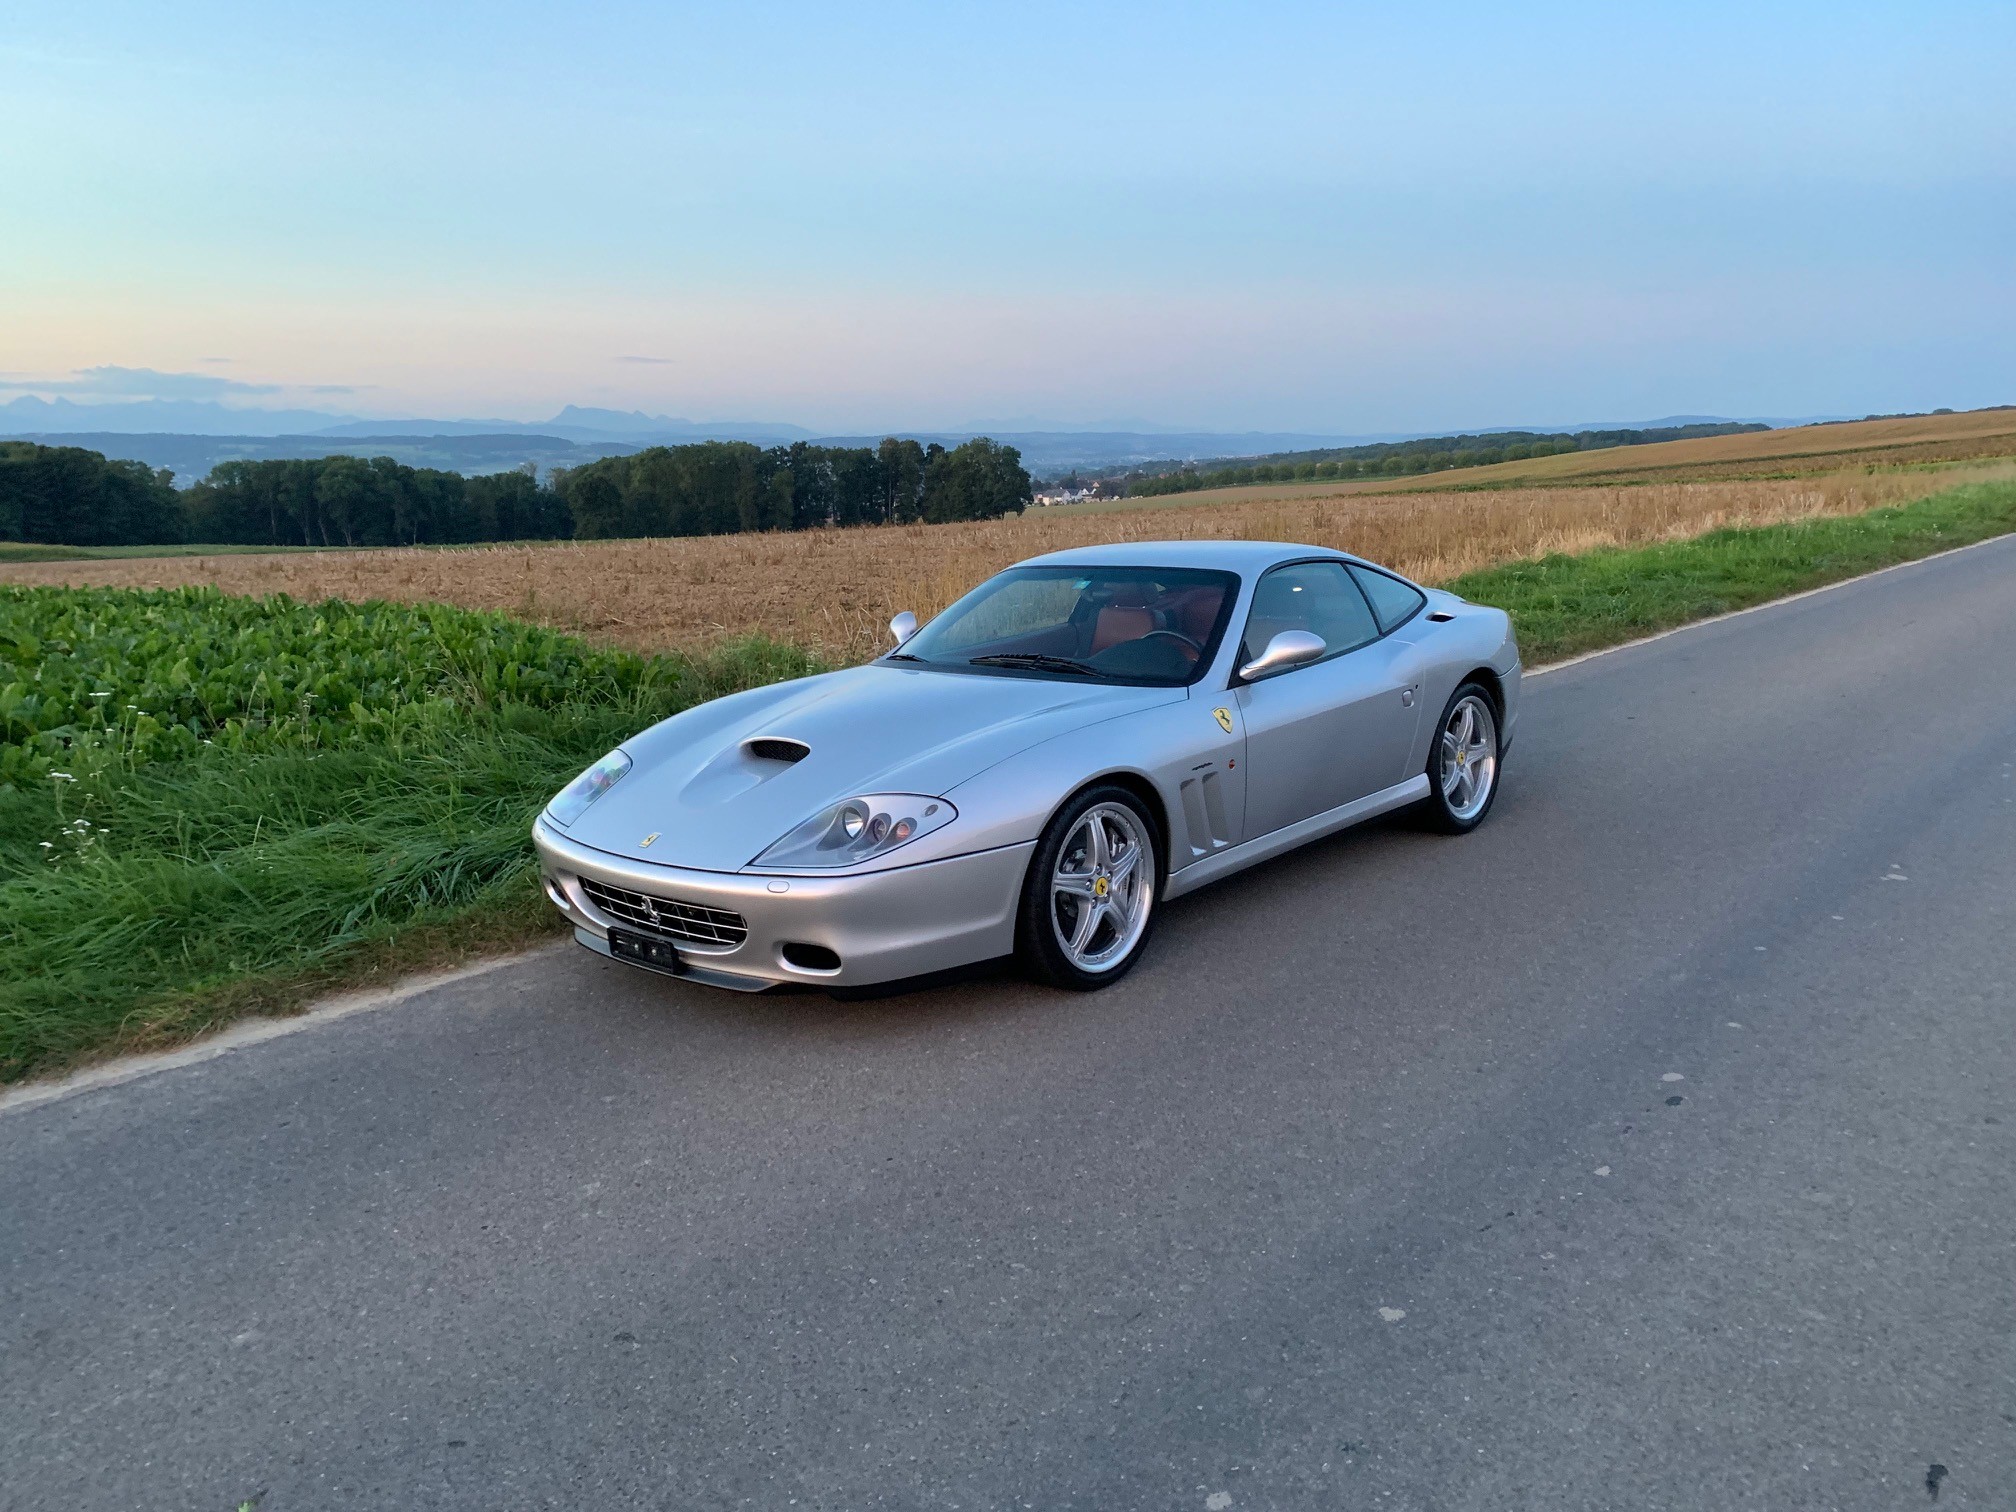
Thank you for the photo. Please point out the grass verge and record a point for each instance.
(211, 807)
(32, 551)
(1565, 605)
(349, 798)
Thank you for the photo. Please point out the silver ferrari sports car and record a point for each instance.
(1028, 774)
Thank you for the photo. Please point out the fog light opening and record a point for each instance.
(810, 957)
(559, 897)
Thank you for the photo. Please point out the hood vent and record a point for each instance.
(772, 748)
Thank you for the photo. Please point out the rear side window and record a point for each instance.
(1393, 601)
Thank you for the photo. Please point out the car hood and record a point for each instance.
(714, 804)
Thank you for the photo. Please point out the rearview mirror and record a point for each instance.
(903, 626)
(1288, 650)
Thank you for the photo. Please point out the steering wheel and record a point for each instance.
(1176, 635)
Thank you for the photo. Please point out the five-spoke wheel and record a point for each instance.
(1090, 895)
(1463, 761)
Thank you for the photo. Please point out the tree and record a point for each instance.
(597, 502)
(65, 495)
(977, 480)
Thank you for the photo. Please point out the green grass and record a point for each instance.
(31, 551)
(211, 806)
(211, 837)
(1564, 605)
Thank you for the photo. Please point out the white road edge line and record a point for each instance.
(255, 1031)
(1790, 598)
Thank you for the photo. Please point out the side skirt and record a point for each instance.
(1252, 852)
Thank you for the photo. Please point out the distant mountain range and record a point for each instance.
(30, 414)
(192, 436)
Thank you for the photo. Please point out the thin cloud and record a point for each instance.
(653, 361)
(139, 383)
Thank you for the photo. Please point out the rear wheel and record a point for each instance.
(1088, 902)
(1463, 762)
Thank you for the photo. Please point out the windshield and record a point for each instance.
(1152, 625)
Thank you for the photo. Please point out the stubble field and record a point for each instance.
(832, 592)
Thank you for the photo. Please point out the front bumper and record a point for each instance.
(883, 925)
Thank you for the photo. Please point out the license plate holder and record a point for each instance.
(646, 950)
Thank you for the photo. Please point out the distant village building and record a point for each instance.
(1064, 496)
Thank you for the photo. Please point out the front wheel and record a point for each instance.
(1089, 899)
(1463, 762)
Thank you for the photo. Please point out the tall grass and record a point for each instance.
(144, 899)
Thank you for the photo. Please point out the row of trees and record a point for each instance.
(65, 495)
(352, 501)
(715, 487)
(1391, 459)
(73, 497)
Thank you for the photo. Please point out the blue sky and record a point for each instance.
(1275, 216)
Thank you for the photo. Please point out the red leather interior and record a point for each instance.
(1119, 623)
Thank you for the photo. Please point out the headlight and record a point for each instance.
(583, 790)
(859, 829)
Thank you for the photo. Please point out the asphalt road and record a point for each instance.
(1650, 1148)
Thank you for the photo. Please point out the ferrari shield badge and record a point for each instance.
(1224, 718)
(645, 843)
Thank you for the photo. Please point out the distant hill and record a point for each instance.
(635, 425)
(578, 424)
(30, 415)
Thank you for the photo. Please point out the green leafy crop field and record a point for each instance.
(212, 804)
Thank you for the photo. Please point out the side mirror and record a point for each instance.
(903, 626)
(1288, 650)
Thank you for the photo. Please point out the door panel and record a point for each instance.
(1330, 733)
(1325, 735)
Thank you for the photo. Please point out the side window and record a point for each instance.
(1393, 601)
(1313, 596)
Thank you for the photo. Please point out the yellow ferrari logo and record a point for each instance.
(1224, 718)
(1101, 886)
(645, 843)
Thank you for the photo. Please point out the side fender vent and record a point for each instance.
(772, 748)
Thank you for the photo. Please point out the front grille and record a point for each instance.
(695, 923)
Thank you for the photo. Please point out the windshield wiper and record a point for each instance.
(902, 656)
(1036, 661)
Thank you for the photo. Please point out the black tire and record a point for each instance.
(1037, 946)
(1443, 810)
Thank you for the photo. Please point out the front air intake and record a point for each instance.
(697, 924)
(774, 748)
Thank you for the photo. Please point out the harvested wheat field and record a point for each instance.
(1911, 441)
(833, 591)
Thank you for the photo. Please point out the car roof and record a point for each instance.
(1226, 556)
